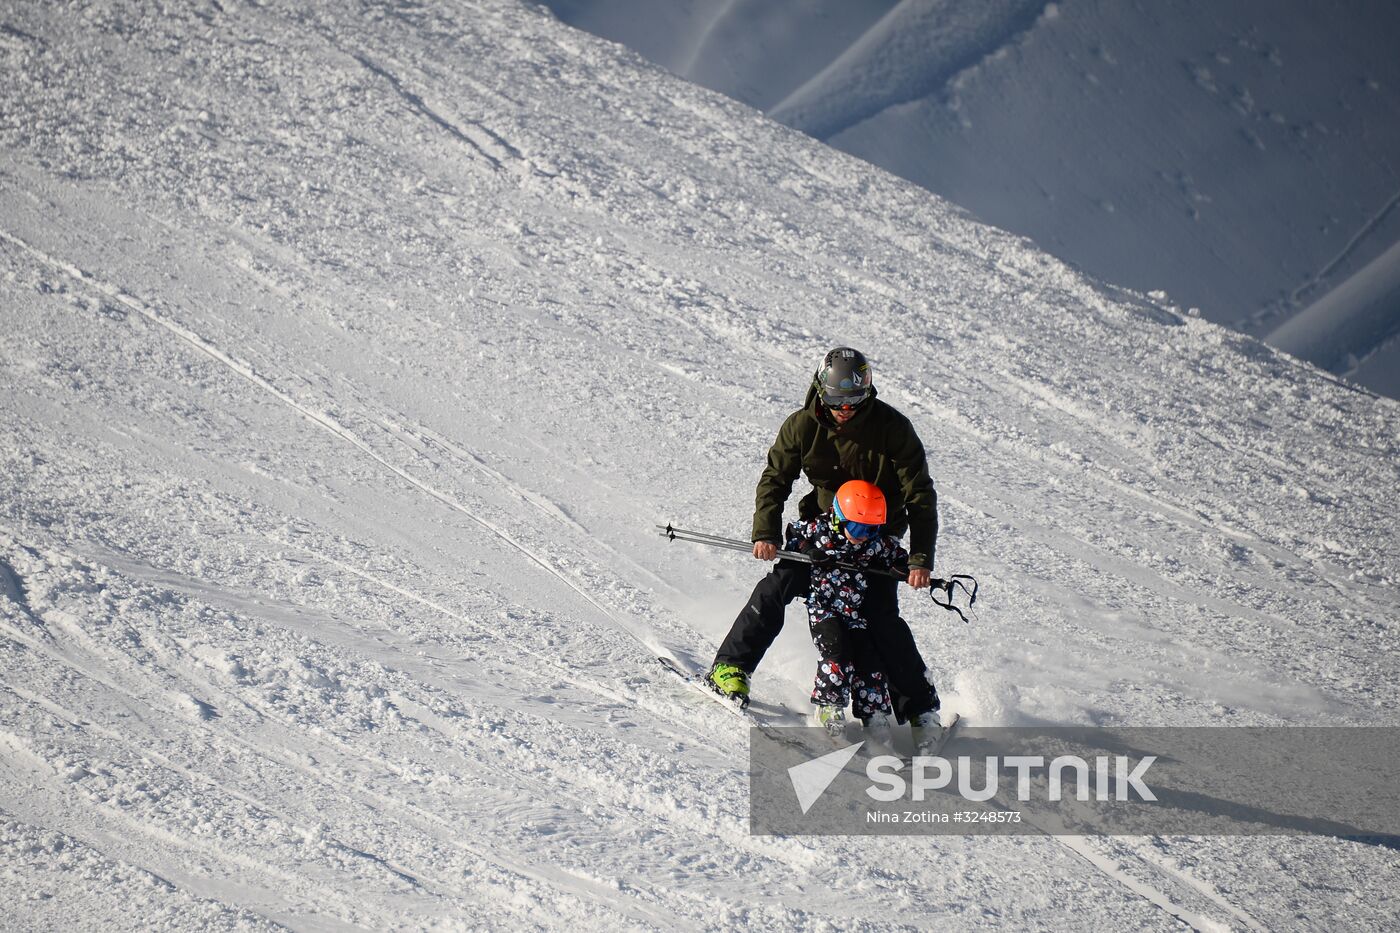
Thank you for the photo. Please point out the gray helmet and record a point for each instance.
(845, 379)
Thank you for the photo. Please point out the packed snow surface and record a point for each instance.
(350, 352)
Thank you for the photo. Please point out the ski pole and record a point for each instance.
(936, 585)
(734, 544)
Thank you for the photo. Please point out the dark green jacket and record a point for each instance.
(878, 445)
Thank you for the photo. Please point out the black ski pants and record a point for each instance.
(761, 619)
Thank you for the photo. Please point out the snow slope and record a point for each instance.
(1243, 157)
(349, 353)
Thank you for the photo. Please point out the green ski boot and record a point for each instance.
(730, 681)
(832, 719)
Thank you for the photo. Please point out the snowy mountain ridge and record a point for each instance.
(350, 354)
(1241, 157)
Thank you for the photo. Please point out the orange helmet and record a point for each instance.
(860, 502)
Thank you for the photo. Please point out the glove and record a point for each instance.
(820, 559)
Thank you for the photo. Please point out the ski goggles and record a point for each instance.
(858, 530)
(844, 402)
(861, 530)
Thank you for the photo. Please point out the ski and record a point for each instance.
(697, 683)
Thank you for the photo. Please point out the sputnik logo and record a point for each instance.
(811, 778)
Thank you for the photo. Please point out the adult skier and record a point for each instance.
(842, 432)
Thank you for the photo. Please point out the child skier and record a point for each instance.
(848, 671)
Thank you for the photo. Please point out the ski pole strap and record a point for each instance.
(956, 581)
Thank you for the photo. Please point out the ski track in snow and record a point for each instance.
(337, 420)
(323, 420)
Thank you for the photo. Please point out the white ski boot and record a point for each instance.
(928, 733)
(879, 733)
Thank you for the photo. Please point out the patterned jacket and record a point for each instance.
(837, 592)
